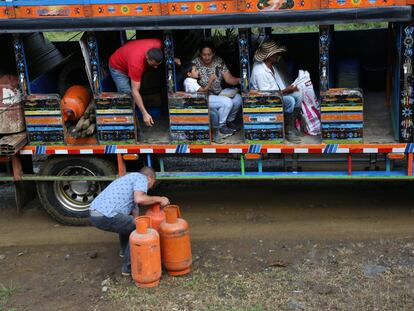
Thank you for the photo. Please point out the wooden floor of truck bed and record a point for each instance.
(377, 126)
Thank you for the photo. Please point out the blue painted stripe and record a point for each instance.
(115, 128)
(44, 129)
(409, 148)
(110, 148)
(190, 127)
(331, 148)
(40, 149)
(262, 126)
(255, 148)
(181, 148)
(342, 126)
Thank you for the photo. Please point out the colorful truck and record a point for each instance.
(363, 80)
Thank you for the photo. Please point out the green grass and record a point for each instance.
(5, 292)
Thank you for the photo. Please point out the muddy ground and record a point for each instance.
(256, 246)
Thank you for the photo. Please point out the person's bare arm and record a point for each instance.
(207, 87)
(135, 87)
(144, 199)
(228, 77)
(290, 89)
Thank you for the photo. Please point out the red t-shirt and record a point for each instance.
(130, 58)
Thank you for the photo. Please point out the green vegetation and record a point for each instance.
(5, 293)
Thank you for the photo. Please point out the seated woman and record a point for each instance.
(265, 77)
(209, 64)
(191, 85)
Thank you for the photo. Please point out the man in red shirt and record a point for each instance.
(127, 65)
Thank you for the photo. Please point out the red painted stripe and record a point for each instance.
(75, 151)
(384, 150)
(49, 151)
(356, 150)
(288, 150)
(159, 150)
(196, 150)
(410, 165)
(315, 150)
(222, 150)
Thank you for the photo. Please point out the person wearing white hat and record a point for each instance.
(265, 77)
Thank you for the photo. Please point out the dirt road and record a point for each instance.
(256, 246)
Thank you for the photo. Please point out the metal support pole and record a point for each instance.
(244, 59)
(349, 164)
(121, 165)
(325, 46)
(149, 163)
(260, 165)
(22, 69)
(92, 47)
(162, 168)
(169, 62)
(406, 97)
(410, 165)
(242, 168)
(387, 165)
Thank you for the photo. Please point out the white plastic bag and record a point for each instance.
(310, 104)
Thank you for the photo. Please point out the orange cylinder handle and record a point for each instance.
(142, 224)
(156, 207)
(172, 212)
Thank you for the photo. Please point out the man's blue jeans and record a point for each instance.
(122, 224)
(292, 101)
(122, 82)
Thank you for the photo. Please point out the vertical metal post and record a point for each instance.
(387, 164)
(349, 164)
(169, 62)
(260, 165)
(149, 163)
(22, 69)
(406, 84)
(162, 168)
(242, 169)
(121, 165)
(410, 165)
(123, 37)
(325, 37)
(92, 45)
(244, 59)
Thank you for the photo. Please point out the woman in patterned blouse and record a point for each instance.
(208, 64)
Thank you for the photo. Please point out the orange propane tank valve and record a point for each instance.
(74, 102)
(157, 216)
(175, 242)
(145, 250)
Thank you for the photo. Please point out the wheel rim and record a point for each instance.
(76, 195)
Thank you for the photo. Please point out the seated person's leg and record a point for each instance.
(215, 126)
(289, 104)
(237, 104)
(223, 105)
(122, 82)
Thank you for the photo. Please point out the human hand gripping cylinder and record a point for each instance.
(145, 250)
(175, 242)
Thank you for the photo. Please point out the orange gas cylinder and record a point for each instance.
(175, 242)
(145, 250)
(157, 216)
(74, 102)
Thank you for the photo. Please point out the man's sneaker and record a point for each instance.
(233, 126)
(225, 131)
(126, 270)
(217, 138)
(121, 253)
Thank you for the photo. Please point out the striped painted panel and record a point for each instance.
(342, 116)
(44, 119)
(189, 118)
(223, 149)
(263, 117)
(115, 119)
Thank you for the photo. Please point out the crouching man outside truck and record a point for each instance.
(116, 207)
(266, 77)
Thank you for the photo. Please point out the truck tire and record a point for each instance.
(68, 202)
